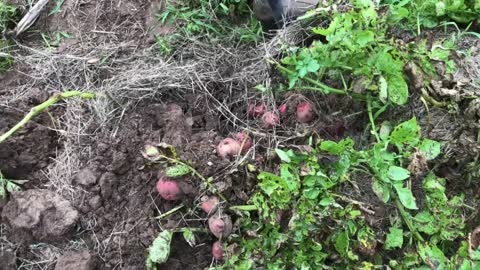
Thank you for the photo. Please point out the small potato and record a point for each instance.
(228, 147)
(220, 225)
(169, 189)
(256, 110)
(282, 109)
(217, 250)
(305, 113)
(270, 120)
(243, 138)
(210, 204)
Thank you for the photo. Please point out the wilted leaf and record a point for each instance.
(177, 170)
(159, 251)
(189, 237)
(430, 148)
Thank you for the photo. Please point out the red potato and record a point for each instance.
(220, 225)
(256, 110)
(228, 147)
(217, 250)
(282, 109)
(210, 205)
(270, 120)
(169, 189)
(305, 113)
(243, 138)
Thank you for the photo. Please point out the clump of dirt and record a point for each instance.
(40, 215)
(80, 260)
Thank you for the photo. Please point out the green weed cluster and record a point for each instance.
(218, 20)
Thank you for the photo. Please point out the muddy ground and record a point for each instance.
(90, 202)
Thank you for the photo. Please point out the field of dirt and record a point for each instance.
(90, 200)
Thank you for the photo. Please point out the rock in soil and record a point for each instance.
(77, 260)
(40, 214)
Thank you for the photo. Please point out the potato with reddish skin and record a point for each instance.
(210, 204)
(244, 140)
(282, 109)
(169, 189)
(270, 120)
(228, 147)
(256, 110)
(305, 113)
(220, 225)
(217, 250)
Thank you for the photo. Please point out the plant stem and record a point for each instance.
(370, 116)
(169, 212)
(407, 220)
(40, 108)
(196, 173)
(244, 207)
(322, 87)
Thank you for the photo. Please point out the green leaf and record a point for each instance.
(394, 239)
(311, 193)
(430, 148)
(177, 170)
(407, 132)
(406, 197)
(283, 155)
(341, 243)
(398, 173)
(381, 190)
(397, 89)
(159, 251)
(189, 237)
(364, 37)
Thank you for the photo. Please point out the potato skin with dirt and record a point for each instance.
(210, 205)
(168, 189)
(256, 110)
(228, 147)
(220, 225)
(217, 250)
(244, 138)
(270, 120)
(305, 113)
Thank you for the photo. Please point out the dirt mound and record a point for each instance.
(40, 214)
(76, 261)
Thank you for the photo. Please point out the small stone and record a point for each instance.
(107, 184)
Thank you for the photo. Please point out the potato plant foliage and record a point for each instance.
(304, 221)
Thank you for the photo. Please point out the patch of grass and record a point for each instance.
(215, 21)
(7, 15)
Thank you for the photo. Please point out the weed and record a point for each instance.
(7, 14)
(212, 20)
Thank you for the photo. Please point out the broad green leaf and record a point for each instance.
(398, 173)
(342, 243)
(364, 37)
(430, 148)
(189, 237)
(283, 155)
(397, 89)
(159, 251)
(407, 132)
(177, 170)
(406, 197)
(311, 193)
(394, 239)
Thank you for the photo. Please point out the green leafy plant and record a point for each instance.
(7, 14)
